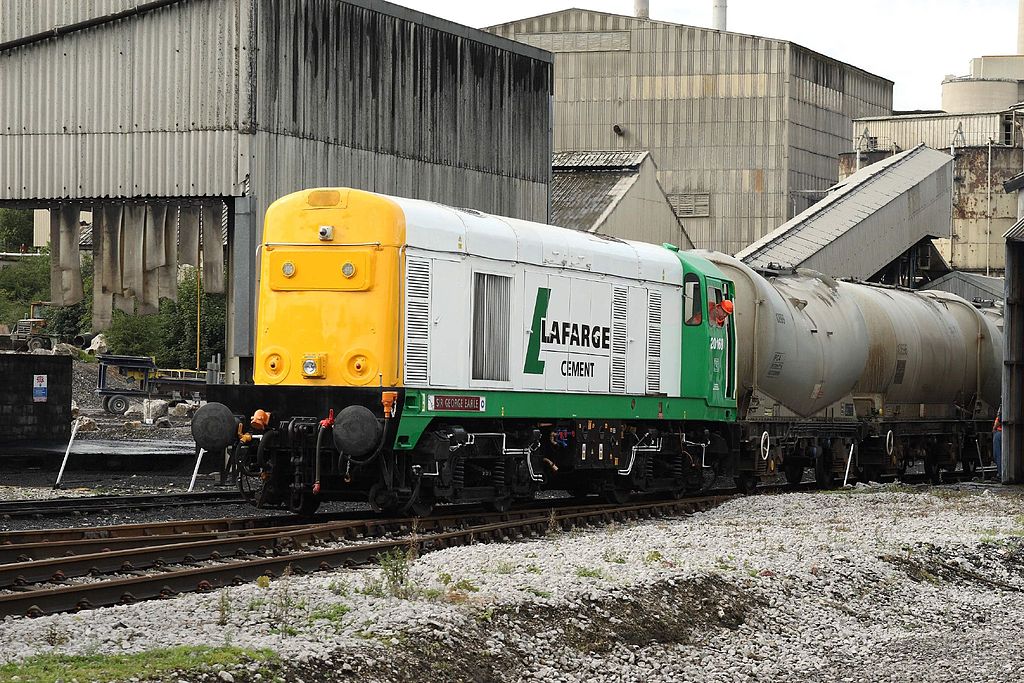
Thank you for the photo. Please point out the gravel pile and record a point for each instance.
(877, 584)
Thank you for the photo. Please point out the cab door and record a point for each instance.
(719, 346)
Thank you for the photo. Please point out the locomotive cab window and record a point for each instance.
(692, 306)
(492, 299)
(715, 299)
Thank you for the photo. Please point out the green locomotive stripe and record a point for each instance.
(416, 414)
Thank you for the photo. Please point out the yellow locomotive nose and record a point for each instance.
(330, 290)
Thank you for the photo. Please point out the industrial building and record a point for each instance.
(987, 151)
(167, 115)
(1013, 357)
(615, 194)
(745, 130)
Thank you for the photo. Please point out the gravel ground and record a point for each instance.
(873, 584)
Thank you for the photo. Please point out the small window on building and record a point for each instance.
(1008, 130)
(492, 296)
(693, 309)
(691, 204)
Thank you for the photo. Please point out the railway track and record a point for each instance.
(105, 504)
(204, 560)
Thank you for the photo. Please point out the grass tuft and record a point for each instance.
(49, 668)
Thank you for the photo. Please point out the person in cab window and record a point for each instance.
(720, 312)
(997, 441)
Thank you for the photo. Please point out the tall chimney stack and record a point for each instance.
(1020, 27)
(642, 8)
(718, 16)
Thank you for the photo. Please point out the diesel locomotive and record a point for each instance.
(409, 353)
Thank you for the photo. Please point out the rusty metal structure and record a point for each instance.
(146, 112)
(986, 147)
(745, 130)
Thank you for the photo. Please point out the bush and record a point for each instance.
(15, 230)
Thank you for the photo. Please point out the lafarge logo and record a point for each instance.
(583, 338)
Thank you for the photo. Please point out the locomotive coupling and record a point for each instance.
(214, 427)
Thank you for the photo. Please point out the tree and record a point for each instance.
(22, 283)
(15, 230)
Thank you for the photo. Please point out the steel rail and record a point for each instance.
(527, 523)
(86, 504)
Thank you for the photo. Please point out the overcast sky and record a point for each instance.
(911, 42)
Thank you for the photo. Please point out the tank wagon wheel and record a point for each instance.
(969, 465)
(823, 474)
(746, 482)
(931, 469)
(794, 472)
(617, 496)
(118, 405)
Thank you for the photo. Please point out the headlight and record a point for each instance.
(313, 365)
(349, 269)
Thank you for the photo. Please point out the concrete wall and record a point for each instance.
(750, 121)
(21, 418)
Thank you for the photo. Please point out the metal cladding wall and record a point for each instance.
(139, 107)
(739, 124)
(1013, 372)
(350, 95)
(20, 19)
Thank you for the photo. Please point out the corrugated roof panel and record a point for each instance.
(969, 285)
(1016, 232)
(865, 221)
(579, 197)
(611, 159)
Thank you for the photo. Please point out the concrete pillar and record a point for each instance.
(243, 236)
(719, 13)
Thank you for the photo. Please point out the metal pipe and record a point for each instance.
(1020, 27)
(988, 229)
(195, 472)
(849, 459)
(718, 15)
(74, 430)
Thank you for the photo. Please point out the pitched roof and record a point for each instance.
(586, 186)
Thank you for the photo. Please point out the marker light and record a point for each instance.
(288, 269)
(348, 270)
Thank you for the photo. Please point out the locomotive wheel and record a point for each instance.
(500, 504)
(746, 482)
(381, 500)
(304, 504)
(794, 472)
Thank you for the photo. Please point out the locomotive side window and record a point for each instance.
(492, 297)
(692, 306)
(714, 301)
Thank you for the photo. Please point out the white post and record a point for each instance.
(849, 459)
(195, 472)
(67, 453)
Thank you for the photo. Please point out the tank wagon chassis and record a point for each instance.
(361, 444)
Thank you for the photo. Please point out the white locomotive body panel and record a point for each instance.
(502, 304)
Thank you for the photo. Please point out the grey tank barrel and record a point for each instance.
(357, 431)
(214, 427)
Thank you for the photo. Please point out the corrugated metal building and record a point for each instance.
(615, 194)
(884, 210)
(745, 130)
(981, 211)
(970, 286)
(1013, 357)
(242, 101)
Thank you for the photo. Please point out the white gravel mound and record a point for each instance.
(874, 584)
